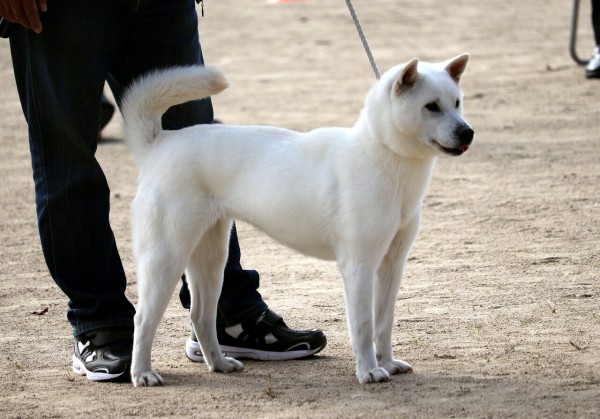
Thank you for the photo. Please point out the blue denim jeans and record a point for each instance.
(60, 75)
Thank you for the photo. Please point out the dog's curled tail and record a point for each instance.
(149, 97)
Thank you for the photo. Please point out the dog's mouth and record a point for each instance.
(451, 151)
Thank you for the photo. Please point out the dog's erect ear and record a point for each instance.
(407, 77)
(456, 67)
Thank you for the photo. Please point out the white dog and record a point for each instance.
(353, 195)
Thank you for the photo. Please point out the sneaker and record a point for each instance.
(104, 354)
(592, 69)
(266, 338)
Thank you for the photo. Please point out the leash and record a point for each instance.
(363, 39)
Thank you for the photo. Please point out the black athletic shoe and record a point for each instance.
(266, 338)
(104, 354)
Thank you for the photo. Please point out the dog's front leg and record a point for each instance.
(358, 286)
(389, 279)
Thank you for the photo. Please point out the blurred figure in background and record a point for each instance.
(592, 70)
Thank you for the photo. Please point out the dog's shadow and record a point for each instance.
(316, 372)
(324, 384)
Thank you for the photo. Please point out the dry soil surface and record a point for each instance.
(499, 313)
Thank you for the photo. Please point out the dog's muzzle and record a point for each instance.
(464, 134)
(463, 137)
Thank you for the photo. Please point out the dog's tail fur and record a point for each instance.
(149, 97)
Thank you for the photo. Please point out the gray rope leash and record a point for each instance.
(363, 39)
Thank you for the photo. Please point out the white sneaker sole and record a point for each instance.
(80, 369)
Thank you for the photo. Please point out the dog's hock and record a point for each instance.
(408, 76)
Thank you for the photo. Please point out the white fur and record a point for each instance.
(348, 194)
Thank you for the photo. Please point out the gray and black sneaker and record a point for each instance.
(266, 338)
(104, 354)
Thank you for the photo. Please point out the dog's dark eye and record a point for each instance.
(432, 107)
(457, 104)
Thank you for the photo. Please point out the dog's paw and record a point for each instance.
(374, 375)
(226, 364)
(396, 366)
(147, 379)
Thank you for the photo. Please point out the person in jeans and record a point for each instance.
(592, 69)
(63, 51)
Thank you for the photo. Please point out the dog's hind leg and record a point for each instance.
(158, 272)
(205, 279)
(389, 279)
(358, 286)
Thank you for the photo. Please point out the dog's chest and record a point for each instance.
(408, 194)
(405, 209)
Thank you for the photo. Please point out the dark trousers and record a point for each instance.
(60, 75)
(596, 20)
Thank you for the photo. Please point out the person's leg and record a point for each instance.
(596, 20)
(107, 111)
(164, 34)
(592, 69)
(60, 74)
(174, 41)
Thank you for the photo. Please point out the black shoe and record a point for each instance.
(592, 69)
(265, 338)
(104, 354)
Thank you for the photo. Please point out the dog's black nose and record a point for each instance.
(465, 134)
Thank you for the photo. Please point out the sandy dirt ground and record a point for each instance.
(499, 313)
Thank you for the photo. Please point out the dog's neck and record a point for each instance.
(405, 171)
(380, 143)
